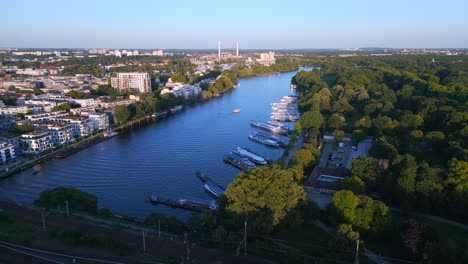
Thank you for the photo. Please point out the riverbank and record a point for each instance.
(74, 147)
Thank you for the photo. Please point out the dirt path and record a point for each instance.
(297, 146)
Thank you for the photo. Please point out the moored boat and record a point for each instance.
(176, 108)
(265, 141)
(213, 189)
(110, 134)
(251, 156)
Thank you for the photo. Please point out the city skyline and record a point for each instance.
(260, 25)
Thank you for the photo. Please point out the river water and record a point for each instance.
(161, 157)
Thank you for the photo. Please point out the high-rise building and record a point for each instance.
(132, 80)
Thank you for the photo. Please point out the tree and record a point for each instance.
(24, 128)
(121, 114)
(336, 121)
(415, 237)
(61, 107)
(362, 212)
(411, 121)
(365, 168)
(77, 199)
(343, 207)
(304, 158)
(354, 184)
(37, 91)
(269, 190)
(457, 175)
(311, 120)
(343, 242)
(357, 136)
(178, 77)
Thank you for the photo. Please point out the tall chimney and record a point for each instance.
(237, 48)
(219, 50)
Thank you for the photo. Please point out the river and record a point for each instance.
(161, 157)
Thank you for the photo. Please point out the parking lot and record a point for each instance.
(340, 155)
(362, 149)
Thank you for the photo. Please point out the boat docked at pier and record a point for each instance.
(186, 203)
(280, 142)
(110, 134)
(209, 185)
(269, 127)
(276, 123)
(238, 161)
(265, 141)
(251, 156)
(176, 108)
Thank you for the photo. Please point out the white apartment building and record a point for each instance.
(132, 80)
(100, 121)
(184, 90)
(7, 153)
(36, 142)
(158, 53)
(85, 102)
(46, 116)
(11, 138)
(114, 103)
(13, 110)
(80, 126)
(61, 133)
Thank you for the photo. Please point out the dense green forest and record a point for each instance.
(415, 108)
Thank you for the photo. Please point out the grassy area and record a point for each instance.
(12, 231)
(391, 245)
(77, 239)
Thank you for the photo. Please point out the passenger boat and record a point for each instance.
(177, 108)
(110, 134)
(275, 123)
(269, 136)
(251, 156)
(238, 161)
(237, 110)
(265, 141)
(271, 128)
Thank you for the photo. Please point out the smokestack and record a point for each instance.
(219, 50)
(237, 48)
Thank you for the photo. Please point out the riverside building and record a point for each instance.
(132, 80)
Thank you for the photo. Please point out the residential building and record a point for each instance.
(11, 138)
(85, 102)
(36, 142)
(183, 90)
(80, 126)
(132, 80)
(46, 116)
(61, 133)
(114, 103)
(7, 153)
(100, 121)
(13, 110)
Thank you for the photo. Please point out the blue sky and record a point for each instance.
(256, 24)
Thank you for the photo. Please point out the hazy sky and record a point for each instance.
(255, 23)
